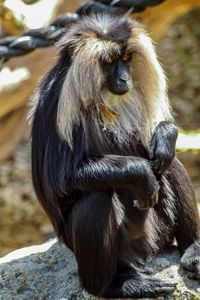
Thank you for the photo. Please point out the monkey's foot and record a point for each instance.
(191, 260)
(140, 286)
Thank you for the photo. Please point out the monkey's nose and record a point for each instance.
(123, 78)
(122, 81)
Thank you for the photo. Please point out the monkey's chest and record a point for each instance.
(108, 144)
(101, 140)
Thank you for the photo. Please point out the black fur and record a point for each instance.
(119, 8)
(111, 204)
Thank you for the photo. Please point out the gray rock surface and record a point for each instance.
(49, 272)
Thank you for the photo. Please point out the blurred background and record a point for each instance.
(174, 25)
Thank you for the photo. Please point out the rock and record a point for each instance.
(42, 272)
(49, 271)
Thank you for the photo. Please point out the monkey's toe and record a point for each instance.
(148, 270)
(195, 276)
(193, 266)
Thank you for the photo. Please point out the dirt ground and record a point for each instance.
(22, 221)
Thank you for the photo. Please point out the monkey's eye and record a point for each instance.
(126, 57)
(107, 61)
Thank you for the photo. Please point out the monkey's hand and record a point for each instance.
(162, 146)
(147, 190)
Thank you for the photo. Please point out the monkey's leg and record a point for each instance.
(96, 240)
(188, 225)
(100, 244)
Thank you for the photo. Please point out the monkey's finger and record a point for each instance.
(166, 162)
(152, 148)
(154, 199)
(144, 270)
(163, 167)
(135, 203)
(157, 165)
(141, 205)
(148, 271)
(195, 276)
(161, 163)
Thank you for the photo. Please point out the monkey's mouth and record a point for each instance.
(120, 91)
(120, 88)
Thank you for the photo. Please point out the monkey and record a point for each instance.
(104, 166)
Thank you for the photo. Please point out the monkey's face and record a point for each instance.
(118, 78)
(107, 56)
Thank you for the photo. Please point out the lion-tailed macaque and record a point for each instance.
(103, 159)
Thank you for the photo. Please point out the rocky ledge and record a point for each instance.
(49, 272)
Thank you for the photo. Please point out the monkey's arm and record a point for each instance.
(112, 172)
(120, 7)
(138, 5)
(162, 146)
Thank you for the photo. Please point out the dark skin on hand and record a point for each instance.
(162, 146)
